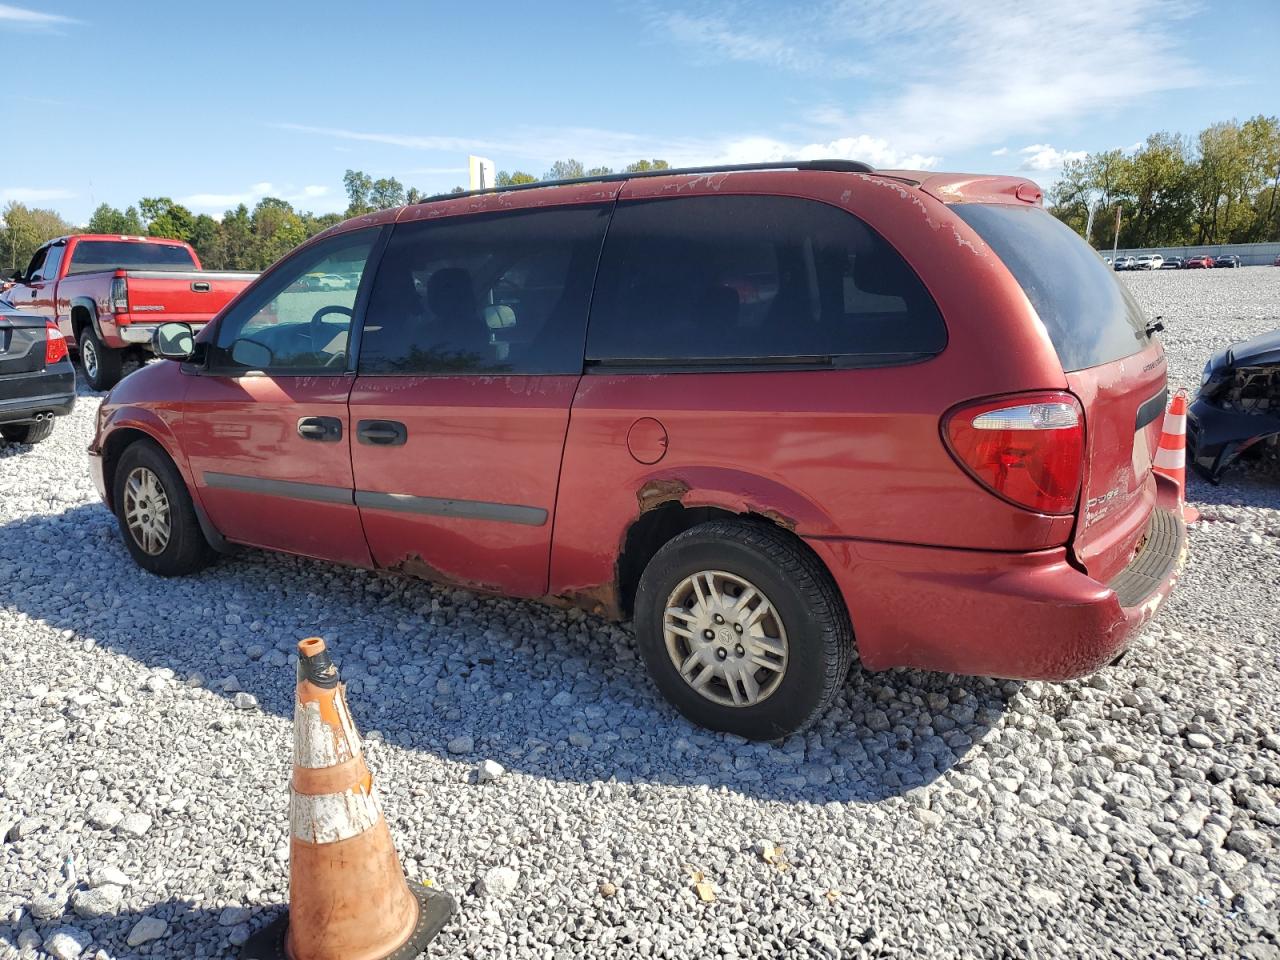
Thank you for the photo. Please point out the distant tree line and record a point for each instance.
(1220, 187)
(244, 239)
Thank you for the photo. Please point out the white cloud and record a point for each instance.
(716, 36)
(224, 201)
(1042, 156)
(33, 194)
(951, 76)
(1000, 153)
(21, 17)
(616, 149)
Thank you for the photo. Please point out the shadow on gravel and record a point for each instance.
(544, 692)
(190, 930)
(1246, 483)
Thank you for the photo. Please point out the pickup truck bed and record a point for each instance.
(107, 294)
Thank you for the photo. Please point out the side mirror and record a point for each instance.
(251, 354)
(174, 341)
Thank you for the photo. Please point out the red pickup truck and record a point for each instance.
(107, 293)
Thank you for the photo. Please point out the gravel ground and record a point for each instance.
(145, 755)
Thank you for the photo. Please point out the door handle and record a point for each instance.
(383, 433)
(324, 429)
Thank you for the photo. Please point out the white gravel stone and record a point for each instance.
(1091, 792)
(489, 770)
(245, 701)
(97, 902)
(135, 824)
(66, 943)
(498, 882)
(146, 930)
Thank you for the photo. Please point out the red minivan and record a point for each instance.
(773, 415)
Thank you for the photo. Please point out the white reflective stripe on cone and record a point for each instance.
(330, 817)
(314, 743)
(1170, 459)
(1175, 426)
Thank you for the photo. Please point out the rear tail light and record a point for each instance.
(119, 295)
(55, 344)
(1026, 448)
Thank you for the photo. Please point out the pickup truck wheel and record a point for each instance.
(27, 432)
(742, 629)
(101, 363)
(156, 516)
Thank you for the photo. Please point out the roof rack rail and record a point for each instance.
(837, 166)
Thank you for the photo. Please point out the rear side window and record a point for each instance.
(1089, 314)
(90, 256)
(743, 280)
(506, 293)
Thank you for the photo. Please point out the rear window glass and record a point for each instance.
(1088, 312)
(93, 255)
(747, 280)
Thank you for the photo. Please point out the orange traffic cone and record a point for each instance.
(1171, 457)
(348, 897)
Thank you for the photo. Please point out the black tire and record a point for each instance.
(801, 591)
(27, 432)
(101, 363)
(186, 550)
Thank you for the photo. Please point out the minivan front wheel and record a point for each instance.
(157, 518)
(742, 629)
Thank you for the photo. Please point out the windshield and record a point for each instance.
(91, 256)
(1087, 311)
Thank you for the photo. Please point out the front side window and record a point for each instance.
(292, 322)
(502, 293)
(93, 256)
(729, 280)
(35, 269)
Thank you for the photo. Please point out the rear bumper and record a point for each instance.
(24, 395)
(1023, 616)
(139, 334)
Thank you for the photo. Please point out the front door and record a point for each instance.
(265, 424)
(35, 294)
(469, 358)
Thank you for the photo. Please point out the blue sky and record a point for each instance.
(222, 103)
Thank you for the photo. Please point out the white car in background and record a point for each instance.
(1148, 261)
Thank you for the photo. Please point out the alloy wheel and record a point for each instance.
(725, 638)
(146, 511)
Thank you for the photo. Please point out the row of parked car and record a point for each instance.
(1153, 261)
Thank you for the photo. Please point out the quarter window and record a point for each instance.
(503, 293)
(747, 280)
(299, 318)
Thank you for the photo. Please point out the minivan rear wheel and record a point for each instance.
(742, 629)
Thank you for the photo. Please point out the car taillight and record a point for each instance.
(119, 295)
(55, 344)
(1025, 448)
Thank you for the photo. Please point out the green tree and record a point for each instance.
(359, 188)
(277, 229)
(204, 234)
(25, 229)
(515, 178)
(565, 170)
(107, 219)
(165, 218)
(644, 166)
(386, 194)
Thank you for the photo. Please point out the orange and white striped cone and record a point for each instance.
(348, 896)
(1171, 457)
